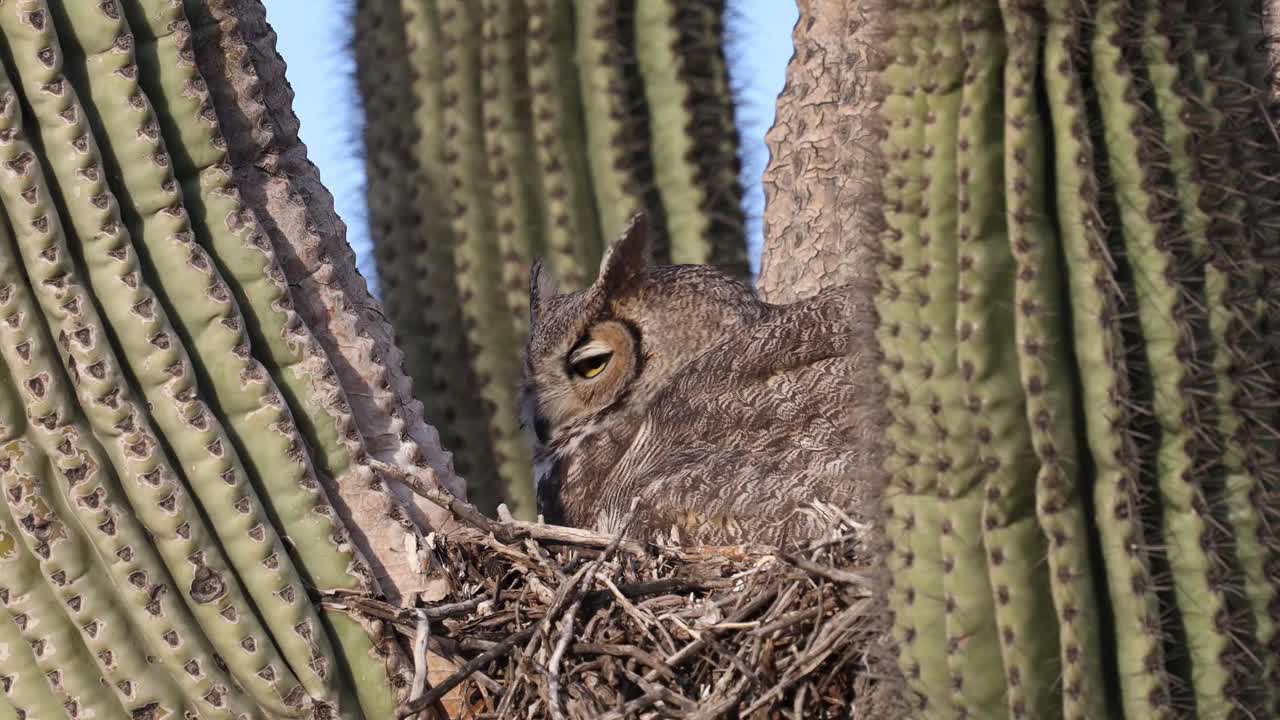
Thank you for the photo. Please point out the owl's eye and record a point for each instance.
(592, 366)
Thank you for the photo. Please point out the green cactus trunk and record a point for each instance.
(538, 128)
(169, 426)
(1080, 205)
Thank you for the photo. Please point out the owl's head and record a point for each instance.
(610, 347)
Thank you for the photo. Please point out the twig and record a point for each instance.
(472, 665)
(830, 573)
(557, 657)
(420, 656)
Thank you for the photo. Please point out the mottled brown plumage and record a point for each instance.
(726, 415)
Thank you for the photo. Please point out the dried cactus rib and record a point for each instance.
(111, 526)
(915, 514)
(1146, 688)
(509, 146)
(282, 341)
(41, 545)
(401, 223)
(237, 58)
(573, 243)
(93, 623)
(445, 379)
(205, 318)
(1065, 584)
(121, 423)
(258, 421)
(490, 330)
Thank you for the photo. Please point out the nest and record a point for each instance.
(544, 621)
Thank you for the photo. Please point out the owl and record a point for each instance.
(727, 416)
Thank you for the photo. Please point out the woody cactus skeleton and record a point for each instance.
(173, 435)
(1078, 319)
(531, 128)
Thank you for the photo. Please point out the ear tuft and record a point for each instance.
(628, 259)
(542, 287)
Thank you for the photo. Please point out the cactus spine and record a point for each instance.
(539, 128)
(166, 417)
(1079, 208)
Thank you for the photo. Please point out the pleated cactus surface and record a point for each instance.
(501, 131)
(1078, 318)
(168, 423)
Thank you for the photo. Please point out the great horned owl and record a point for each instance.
(727, 416)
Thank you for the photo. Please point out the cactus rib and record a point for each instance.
(1050, 416)
(76, 583)
(204, 317)
(915, 518)
(102, 511)
(124, 428)
(610, 125)
(62, 641)
(507, 119)
(573, 242)
(258, 420)
(444, 377)
(972, 649)
(490, 331)
(24, 691)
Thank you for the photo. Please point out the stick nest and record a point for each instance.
(544, 621)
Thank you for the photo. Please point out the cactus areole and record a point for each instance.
(1078, 319)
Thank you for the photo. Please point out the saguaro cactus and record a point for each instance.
(531, 127)
(179, 462)
(1077, 291)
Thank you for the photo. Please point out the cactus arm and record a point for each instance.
(75, 582)
(604, 98)
(1146, 687)
(1048, 432)
(573, 229)
(915, 521)
(123, 426)
(61, 642)
(102, 511)
(490, 331)
(509, 145)
(972, 651)
(204, 318)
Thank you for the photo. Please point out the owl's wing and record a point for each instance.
(748, 435)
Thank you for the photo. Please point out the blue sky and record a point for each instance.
(314, 38)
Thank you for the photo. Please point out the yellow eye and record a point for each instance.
(590, 367)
